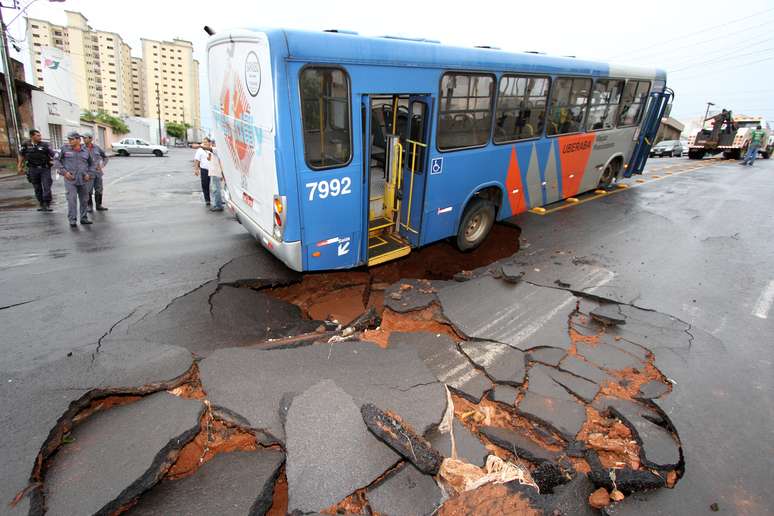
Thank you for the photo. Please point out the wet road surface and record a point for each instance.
(118, 308)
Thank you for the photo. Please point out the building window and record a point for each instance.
(605, 98)
(465, 114)
(521, 108)
(632, 102)
(569, 101)
(325, 117)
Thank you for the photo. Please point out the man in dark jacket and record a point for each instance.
(37, 155)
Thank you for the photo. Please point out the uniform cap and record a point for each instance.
(73, 134)
(87, 134)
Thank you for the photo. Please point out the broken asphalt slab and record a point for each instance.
(521, 446)
(405, 492)
(330, 452)
(215, 316)
(441, 356)
(118, 454)
(548, 402)
(248, 384)
(40, 403)
(502, 363)
(468, 447)
(411, 294)
(240, 482)
(658, 448)
(579, 367)
(522, 315)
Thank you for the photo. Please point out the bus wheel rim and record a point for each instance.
(475, 227)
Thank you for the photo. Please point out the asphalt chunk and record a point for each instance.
(330, 452)
(118, 454)
(441, 356)
(502, 363)
(239, 482)
(504, 394)
(546, 355)
(548, 402)
(469, 448)
(653, 389)
(406, 491)
(518, 444)
(607, 356)
(579, 367)
(401, 438)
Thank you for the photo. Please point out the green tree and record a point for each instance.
(115, 123)
(177, 130)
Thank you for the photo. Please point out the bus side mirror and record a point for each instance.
(668, 110)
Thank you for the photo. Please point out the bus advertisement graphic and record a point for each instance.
(237, 124)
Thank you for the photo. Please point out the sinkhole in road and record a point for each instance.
(344, 295)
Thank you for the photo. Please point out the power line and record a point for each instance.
(729, 67)
(678, 38)
(716, 60)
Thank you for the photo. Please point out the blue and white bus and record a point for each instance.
(341, 150)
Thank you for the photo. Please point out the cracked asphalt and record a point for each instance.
(129, 305)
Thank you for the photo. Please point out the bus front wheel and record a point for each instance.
(476, 223)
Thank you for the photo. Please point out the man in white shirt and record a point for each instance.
(202, 168)
(216, 175)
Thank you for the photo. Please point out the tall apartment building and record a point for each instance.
(171, 70)
(138, 87)
(107, 77)
(101, 62)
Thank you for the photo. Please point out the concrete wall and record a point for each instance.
(48, 110)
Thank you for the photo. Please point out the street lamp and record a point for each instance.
(9, 80)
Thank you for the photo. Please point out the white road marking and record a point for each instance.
(765, 301)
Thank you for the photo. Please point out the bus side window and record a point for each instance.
(632, 102)
(325, 117)
(521, 108)
(604, 104)
(465, 111)
(569, 102)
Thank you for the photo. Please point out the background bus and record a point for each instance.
(345, 150)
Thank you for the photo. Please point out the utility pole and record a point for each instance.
(158, 110)
(14, 137)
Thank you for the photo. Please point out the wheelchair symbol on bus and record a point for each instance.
(436, 166)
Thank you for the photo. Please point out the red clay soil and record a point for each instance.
(279, 504)
(215, 436)
(192, 389)
(489, 500)
(612, 440)
(416, 321)
(355, 503)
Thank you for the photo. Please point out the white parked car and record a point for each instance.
(129, 146)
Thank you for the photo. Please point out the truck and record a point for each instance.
(731, 137)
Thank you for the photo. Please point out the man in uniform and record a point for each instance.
(74, 163)
(99, 159)
(38, 156)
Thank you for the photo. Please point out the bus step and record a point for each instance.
(386, 247)
(379, 223)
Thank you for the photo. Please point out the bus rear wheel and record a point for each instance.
(607, 176)
(476, 223)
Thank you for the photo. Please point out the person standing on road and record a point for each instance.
(74, 163)
(216, 175)
(201, 168)
(756, 140)
(38, 156)
(99, 160)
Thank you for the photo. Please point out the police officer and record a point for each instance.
(74, 163)
(37, 155)
(99, 159)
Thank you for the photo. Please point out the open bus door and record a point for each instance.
(648, 130)
(411, 190)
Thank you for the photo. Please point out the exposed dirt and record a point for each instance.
(428, 319)
(612, 440)
(489, 499)
(345, 295)
(192, 389)
(355, 503)
(279, 504)
(215, 436)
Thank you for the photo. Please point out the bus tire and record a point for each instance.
(608, 176)
(695, 154)
(476, 222)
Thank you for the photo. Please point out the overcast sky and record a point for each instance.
(710, 51)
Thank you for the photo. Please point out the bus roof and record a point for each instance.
(338, 47)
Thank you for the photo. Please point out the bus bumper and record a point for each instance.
(288, 252)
